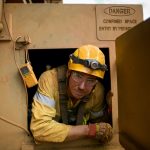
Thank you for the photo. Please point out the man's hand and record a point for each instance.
(101, 131)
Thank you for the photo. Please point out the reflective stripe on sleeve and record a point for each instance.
(44, 99)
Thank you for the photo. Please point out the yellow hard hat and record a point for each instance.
(88, 59)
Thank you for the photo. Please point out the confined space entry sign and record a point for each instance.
(114, 20)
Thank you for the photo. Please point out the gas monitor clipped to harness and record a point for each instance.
(28, 75)
(26, 69)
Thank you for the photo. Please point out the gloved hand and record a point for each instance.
(101, 131)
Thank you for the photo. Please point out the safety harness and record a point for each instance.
(69, 116)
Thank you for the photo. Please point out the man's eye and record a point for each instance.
(91, 80)
(79, 75)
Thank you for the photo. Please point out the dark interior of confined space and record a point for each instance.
(43, 59)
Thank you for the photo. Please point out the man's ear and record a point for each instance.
(68, 73)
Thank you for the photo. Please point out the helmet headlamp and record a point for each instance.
(89, 63)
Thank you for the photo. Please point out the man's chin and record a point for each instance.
(78, 97)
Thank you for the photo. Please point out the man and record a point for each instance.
(69, 101)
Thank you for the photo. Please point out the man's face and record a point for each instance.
(81, 84)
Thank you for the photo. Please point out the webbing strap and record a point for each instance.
(80, 114)
(63, 97)
(81, 110)
(89, 63)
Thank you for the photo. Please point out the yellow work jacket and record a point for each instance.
(46, 106)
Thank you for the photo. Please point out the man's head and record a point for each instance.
(88, 59)
(86, 65)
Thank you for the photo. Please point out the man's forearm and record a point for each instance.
(77, 132)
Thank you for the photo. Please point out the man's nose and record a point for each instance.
(82, 84)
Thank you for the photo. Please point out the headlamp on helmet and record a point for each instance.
(89, 63)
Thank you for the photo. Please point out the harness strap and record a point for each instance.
(81, 110)
(63, 97)
(80, 114)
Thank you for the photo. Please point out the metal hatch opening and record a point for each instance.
(42, 59)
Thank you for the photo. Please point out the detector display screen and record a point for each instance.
(24, 70)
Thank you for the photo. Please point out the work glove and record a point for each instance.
(101, 131)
